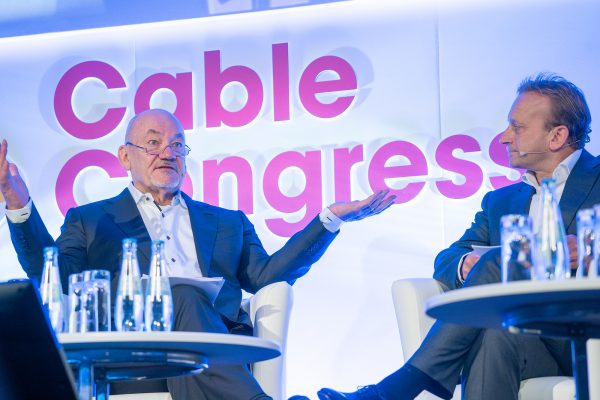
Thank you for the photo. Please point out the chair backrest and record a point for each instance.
(270, 310)
(409, 297)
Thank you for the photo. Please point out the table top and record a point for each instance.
(533, 305)
(217, 348)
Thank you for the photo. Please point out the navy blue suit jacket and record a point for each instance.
(226, 245)
(582, 190)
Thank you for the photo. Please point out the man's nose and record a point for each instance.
(505, 136)
(168, 153)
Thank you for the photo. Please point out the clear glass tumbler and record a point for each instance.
(586, 241)
(518, 247)
(97, 288)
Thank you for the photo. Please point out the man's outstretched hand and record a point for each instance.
(13, 188)
(356, 210)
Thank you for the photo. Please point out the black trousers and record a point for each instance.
(193, 312)
(492, 362)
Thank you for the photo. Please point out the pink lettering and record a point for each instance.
(281, 82)
(310, 198)
(66, 177)
(180, 85)
(379, 172)
(64, 92)
(213, 170)
(215, 81)
(309, 86)
(470, 170)
(343, 160)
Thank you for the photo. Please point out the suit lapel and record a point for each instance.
(578, 186)
(126, 216)
(520, 202)
(204, 227)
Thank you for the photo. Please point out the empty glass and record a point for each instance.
(76, 289)
(89, 301)
(586, 242)
(518, 246)
(97, 299)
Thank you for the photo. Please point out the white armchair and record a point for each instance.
(409, 297)
(269, 310)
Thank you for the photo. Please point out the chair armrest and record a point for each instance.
(409, 297)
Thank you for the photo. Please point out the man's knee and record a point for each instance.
(187, 295)
(486, 270)
(499, 341)
(194, 312)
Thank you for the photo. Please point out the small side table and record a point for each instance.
(104, 357)
(565, 309)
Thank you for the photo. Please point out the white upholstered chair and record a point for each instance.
(409, 297)
(269, 309)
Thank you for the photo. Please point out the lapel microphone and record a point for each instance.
(524, 153)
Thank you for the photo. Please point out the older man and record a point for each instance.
(548, 126)
(200, 240)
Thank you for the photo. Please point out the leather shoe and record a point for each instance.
(364, 393)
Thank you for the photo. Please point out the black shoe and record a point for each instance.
(364, 393)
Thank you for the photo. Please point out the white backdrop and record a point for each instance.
(427, 82)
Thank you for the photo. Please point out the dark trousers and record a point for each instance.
(193, 312)
(492, 362)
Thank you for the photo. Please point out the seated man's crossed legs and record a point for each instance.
(193, 312)
(492, 362)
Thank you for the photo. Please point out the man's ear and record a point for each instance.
(124, 157)
(560, 138)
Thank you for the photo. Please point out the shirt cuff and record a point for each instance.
(330, 221)
(20, 215)
(459, 279)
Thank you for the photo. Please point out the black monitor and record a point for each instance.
(32, 363)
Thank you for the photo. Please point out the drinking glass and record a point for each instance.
(76, 289)
(518, 247)
(97, 304)
(586, 242)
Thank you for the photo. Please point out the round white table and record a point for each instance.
(104, 357)
(565, 309)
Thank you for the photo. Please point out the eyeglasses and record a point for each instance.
(178, 148)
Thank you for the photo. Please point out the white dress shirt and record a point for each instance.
(172, 225)
(560, 175)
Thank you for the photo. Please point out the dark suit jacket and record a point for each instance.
(582, 190)
(226, 245)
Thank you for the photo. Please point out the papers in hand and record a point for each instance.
(210, 286)
(481, 250)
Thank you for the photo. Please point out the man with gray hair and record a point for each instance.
(200, 240)
(548, 126)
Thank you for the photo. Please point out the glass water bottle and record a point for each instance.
(51, 289)
(553, 251)
(129, 305)
(158, 306)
